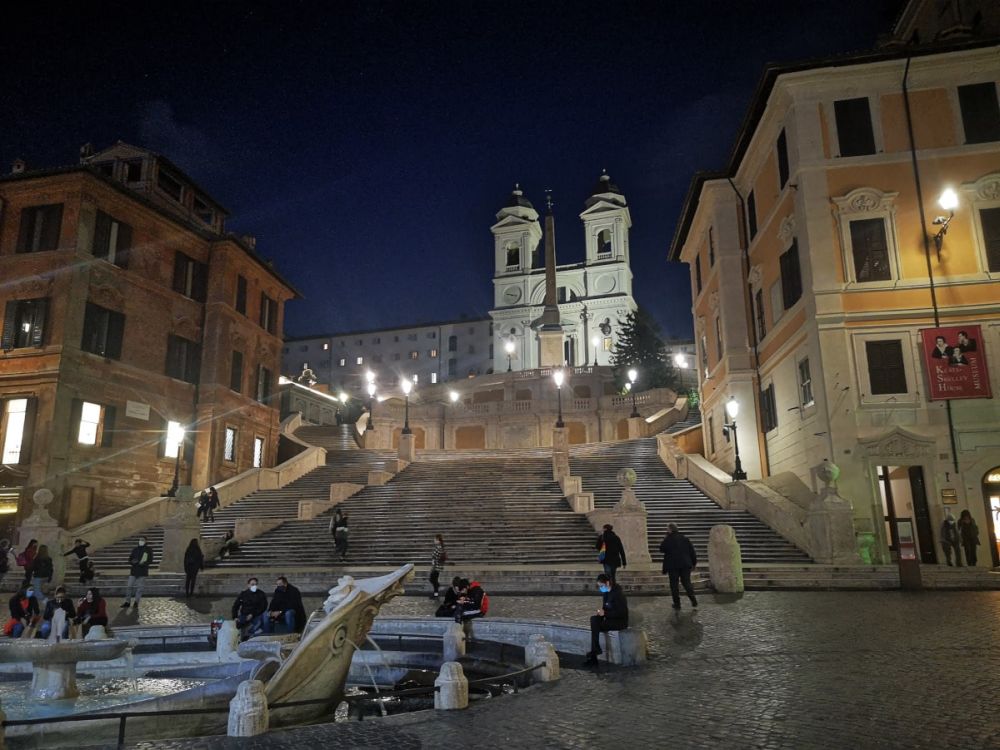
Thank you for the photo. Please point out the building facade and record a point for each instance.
(129, 313)
(593, 296)
(821, 278)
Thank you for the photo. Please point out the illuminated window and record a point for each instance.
(360, 360)
(432, 353)
(258, 452)
(13, 436)
(607, 343)
(326, 347)
(229, 451)
(175, 436)
(342, 361)
(414, 355)
(434, 377)
(90, 423)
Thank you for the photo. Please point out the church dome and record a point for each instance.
(605, 185)
(517, 199)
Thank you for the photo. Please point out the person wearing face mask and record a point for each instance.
(90, 611)
(286, 608)
(249, 609)
(613, 614)
(139, 560)
(58, 601)
(23, 612)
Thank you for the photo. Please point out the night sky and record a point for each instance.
(369, 145)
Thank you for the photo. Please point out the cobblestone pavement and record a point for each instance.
(768, 670)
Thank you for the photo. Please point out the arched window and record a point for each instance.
(513, 255)
(604, 242)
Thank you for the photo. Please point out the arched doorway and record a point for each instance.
(991, 499)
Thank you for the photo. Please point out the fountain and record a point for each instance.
(53, 662)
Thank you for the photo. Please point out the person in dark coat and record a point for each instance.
(340, 532)
(613, 614)
(41, 573)
(968, 531)
(83, 560)
(213, 504)
(611, 551)
(249, 609)
(472, 601)
(26, 557)
(286, 608)
(194, 561)
(447, 608)
(58, 601)
(950, 538)
(91, 610)
(139, 560)
(678, 560)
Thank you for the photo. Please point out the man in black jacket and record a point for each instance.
(286, 607)
(678, 560)
(139, 560)
(447, 608)
(614, 551)
(59, 601)
(249, 609)
(613, 615)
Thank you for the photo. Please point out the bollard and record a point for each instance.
(452, 688)
(227, 645)
(453, 642)
(725, 562)
(248, 713)
(541, 652)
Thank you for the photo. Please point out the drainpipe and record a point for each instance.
(745, 252)
(927, 242)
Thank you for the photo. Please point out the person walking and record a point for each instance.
(213, 504)
(91, 610)
(26, 557)
(139, 560)
(83, 560)
(611, 551)
(41, 573)
(340, 531)
(613, 615)
(438, 558)
(969, 534)
(950, 538)
(679, 559)
(194, 561)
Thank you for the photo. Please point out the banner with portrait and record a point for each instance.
(956, 362)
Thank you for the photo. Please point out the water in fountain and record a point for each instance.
(371, 674)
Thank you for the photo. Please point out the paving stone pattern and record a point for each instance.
(768, 670)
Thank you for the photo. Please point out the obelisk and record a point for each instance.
(550, 332)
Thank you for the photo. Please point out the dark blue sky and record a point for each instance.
(368, 145)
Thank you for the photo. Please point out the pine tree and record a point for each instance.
(641, 346)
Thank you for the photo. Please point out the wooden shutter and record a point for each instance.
(791, 276)
(241, 295)
(115, 335)
(75, 413)
(27, 229)
(38, 322)
(124, 245)
(9, 325)
(199, 282)
(263, 310)
(236, 372)
(180, 272)
(108, 426)
(192, 362)
(990, 219)
(51, 217)
(27, 437)
(102, 235)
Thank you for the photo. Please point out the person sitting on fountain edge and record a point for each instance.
(59, 601)
(472, 601)
(249, 609)
(447, 608)
(23, 612)
(91, 610)
(613, 615)
(286, 608)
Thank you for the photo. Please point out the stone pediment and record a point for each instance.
(510, 222)
(898, 443)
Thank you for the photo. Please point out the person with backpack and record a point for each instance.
(83, 560)
(24, 612)
(473, 601)
(26, 557)
(611, 551)
(194, 561)
(340, 531)
(613, 615)
(679, 559)
(139, 560)
(438, 558)
(41, 573)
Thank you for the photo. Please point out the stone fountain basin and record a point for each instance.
(63, 652)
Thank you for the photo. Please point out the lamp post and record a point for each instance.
(949, 202)
(509, 348)
(453, 395)
(407, 387)
(595, 341)
(371, 405)
(732, 409)
(559, 377)
(175, 435)
(632, 375)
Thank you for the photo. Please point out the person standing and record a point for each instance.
(194, 561)
(91, 610)
(26, 557)
(249, 609)
(83, 560)
(950, 539)
(611, 551)
(340, 531)
(438, 558)
(613, 615)
(139, 560)
(678, 560)
(969, 534)
(41, 573)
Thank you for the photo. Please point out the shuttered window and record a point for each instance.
(183, 359)
(752, 214)
(980, 112)
(768, 409)
(263, 384)
(190, 277)
(24, 324)
(112, 240)
(103, 331)
(782, 149)
(870, 250)
(92, 423)
(791, 276)
(241, 295)
(40, 226)
(990, 220)
(268, 313)
(758, 302)
(886, 373)
(236, 372)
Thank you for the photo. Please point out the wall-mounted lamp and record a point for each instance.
(949, 202)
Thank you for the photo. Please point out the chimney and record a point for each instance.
(86, 151)
(249, 240)
(18, 166)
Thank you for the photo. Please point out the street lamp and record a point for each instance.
(407, 387)
(680, 360)
(732, 409)
(632, 375)
(559, 377)
(371, 402)
(949, 202)
(509, 348)
(175, 435)
(595, 341)
(343, 397)
(453, 395)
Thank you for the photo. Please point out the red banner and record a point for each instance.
(956, 363)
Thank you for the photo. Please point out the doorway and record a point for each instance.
(904, 494)
(991, 499)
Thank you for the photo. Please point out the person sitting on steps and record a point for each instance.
(229, 545)
(249, 609)
(613, 615)
(447, 608)
(90, 611)
(286, 608)
(473, 602)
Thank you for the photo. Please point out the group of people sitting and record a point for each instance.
(464, 600)
(29, 620)
(253, 614)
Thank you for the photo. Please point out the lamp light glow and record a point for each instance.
(732, 408)
(632, 375)
(343, 397)
(370, 376)
(559, 377)
(594, 340)
(175, 433)
(453, 395)
(628, 386)
(509, 347)
(948, 200)
(371, 389)
(680, 360)
(406, 385)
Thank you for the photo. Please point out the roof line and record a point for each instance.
(431, 324)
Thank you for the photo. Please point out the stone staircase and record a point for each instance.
(333, 438)
(693, 419)
(672, 500)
